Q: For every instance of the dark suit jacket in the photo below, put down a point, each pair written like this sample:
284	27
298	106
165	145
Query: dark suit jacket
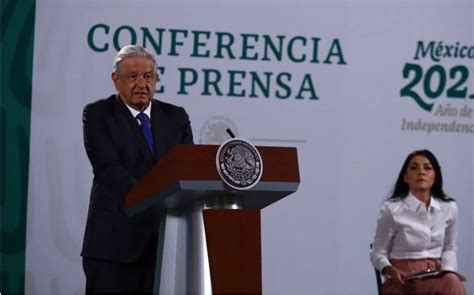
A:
120	157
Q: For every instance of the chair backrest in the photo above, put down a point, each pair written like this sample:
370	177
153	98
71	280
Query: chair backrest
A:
378	276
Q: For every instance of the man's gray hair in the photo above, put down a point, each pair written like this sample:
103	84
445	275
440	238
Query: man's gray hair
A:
131	51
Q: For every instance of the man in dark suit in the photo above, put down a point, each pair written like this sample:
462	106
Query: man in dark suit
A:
124	136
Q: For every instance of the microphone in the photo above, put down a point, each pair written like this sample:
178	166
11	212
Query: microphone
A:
230	133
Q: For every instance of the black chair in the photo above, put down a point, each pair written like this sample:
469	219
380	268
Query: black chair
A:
378	276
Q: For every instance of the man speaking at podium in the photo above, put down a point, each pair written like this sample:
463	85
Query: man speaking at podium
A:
124	136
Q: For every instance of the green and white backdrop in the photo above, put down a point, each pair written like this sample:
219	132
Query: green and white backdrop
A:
354	85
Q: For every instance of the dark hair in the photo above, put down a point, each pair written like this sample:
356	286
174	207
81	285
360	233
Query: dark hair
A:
401	189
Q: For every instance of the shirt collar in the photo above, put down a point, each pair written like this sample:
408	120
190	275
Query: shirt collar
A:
434	203
414	204
135	113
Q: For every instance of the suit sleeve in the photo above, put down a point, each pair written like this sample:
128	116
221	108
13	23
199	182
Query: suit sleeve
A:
104	154
187	137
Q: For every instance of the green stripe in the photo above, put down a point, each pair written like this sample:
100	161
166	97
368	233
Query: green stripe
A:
18	19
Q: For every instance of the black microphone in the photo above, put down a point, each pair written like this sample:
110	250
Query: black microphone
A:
230	133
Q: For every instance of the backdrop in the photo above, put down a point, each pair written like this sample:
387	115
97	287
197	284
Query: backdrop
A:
354	85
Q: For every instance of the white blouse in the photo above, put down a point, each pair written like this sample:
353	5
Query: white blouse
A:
407	229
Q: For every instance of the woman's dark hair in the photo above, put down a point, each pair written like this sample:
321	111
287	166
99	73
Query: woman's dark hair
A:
401	189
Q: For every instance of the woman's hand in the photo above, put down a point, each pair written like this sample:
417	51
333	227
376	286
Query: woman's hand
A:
396	276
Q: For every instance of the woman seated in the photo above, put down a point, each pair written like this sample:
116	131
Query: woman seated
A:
417	232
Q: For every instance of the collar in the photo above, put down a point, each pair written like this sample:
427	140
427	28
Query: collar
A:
134	112
415	205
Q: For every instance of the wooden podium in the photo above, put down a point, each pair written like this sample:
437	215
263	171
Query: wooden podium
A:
222	225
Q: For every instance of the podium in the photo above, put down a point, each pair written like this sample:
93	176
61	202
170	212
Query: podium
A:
221	236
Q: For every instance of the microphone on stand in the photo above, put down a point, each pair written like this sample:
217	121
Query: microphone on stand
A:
230	133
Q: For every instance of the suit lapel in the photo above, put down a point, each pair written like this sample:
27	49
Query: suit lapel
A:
124	113
158	127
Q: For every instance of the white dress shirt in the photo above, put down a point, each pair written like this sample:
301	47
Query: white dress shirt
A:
135	113
407	229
